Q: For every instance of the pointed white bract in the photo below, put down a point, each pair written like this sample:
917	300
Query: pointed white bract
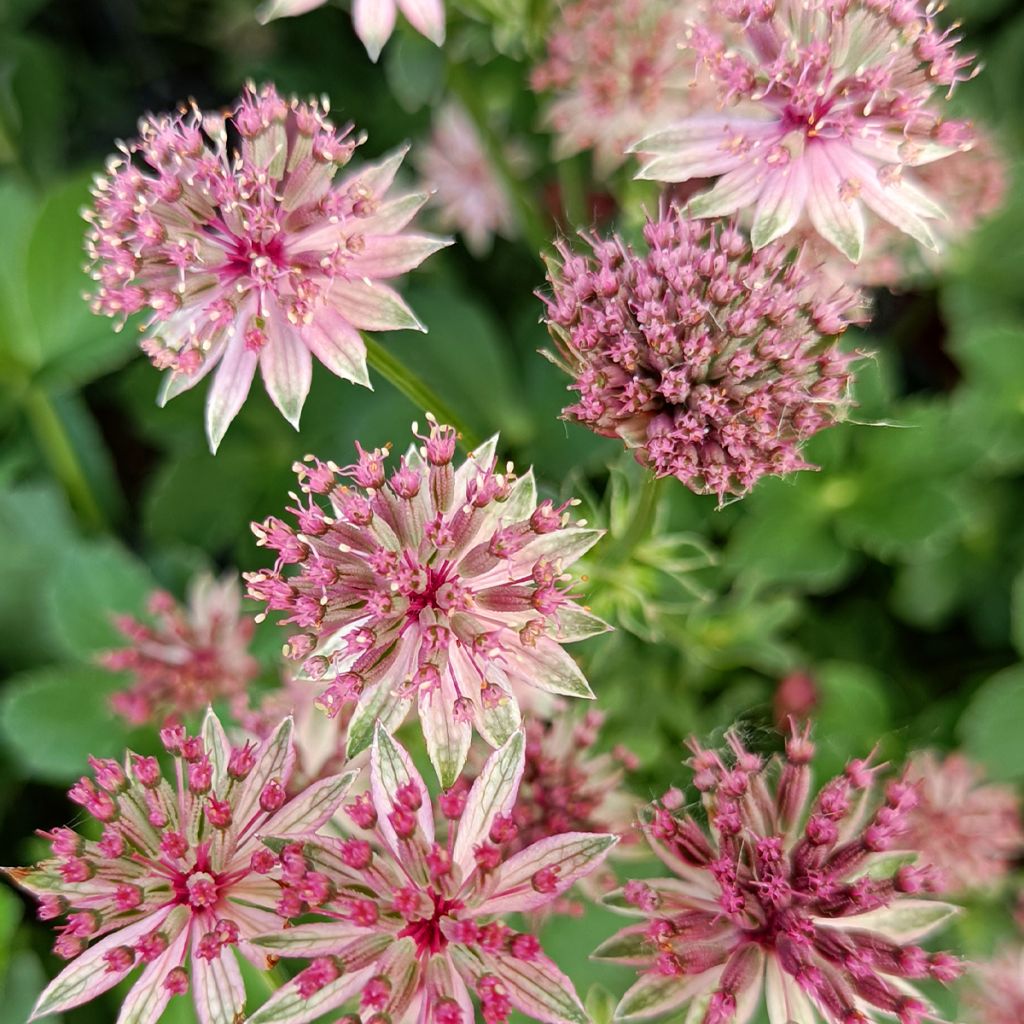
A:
413	910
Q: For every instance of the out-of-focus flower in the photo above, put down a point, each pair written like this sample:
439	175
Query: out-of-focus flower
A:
968	830
178	879
834	98
374	20
616	73
319	741
996	991
814	913
410	922
795	697
468	192
190	656
444	585
231	234
972	185
712	362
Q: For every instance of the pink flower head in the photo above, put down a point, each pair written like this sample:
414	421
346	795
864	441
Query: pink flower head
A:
712	362
410	922
443	585
970	831
179	878
374	20
996	993
614	71
247	253
468	192
190	655
809	906
833	99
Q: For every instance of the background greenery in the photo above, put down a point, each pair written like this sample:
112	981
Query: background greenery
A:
894	577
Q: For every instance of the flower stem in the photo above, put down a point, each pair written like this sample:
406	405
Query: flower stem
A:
416	390
642	522
52	437
535	233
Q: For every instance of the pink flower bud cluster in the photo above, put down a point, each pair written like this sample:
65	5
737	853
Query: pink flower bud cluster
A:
232	237
968	830
178	879
817	900
429	583
190	656
712	362
995	992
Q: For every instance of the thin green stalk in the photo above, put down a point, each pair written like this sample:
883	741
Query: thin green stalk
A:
536	234
416	390
59	452
642	522
572	186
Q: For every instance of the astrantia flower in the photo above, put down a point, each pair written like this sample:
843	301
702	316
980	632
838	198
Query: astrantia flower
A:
615	71
178	880
968	830
468	192
443	585
410	922
374	20
833	99
813	912
712	362
996	992
232	235
190	656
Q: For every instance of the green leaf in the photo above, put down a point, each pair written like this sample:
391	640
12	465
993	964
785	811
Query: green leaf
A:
990	727
52	719
92	584
415	70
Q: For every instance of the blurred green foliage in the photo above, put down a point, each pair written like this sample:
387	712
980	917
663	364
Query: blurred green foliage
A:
894	576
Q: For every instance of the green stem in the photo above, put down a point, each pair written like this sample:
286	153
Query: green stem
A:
536	234
642	521
572	186
416	390
59	452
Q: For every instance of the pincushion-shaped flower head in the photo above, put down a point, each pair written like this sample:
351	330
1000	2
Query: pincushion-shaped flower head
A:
178	880
834	98
443	585
409	922
374	20
233	237
814	913
190	656
969	830
468	192
711	361
614	69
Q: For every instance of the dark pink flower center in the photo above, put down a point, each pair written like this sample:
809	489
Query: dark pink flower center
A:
199	889
427	597
252	257
427	931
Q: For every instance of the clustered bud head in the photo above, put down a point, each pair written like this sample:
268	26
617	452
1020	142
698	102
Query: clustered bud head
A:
712	362
810	905
615	71
830	101
188	657
178	880
967	829
409	921
429	583
231	235
468	193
